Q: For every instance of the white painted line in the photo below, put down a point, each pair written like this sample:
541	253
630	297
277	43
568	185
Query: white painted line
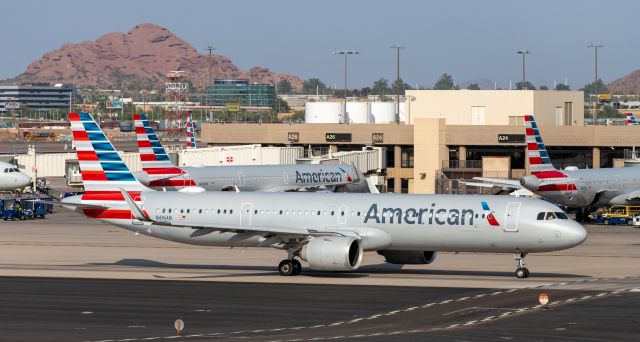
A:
601	294
470	323
496	293
461	299
452	326
318	326
488	318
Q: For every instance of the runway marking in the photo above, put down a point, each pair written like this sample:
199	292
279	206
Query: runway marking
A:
424	306
86	312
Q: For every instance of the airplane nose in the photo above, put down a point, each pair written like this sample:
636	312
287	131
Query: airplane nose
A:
24	180
574	233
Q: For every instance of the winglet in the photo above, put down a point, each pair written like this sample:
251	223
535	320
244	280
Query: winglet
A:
135	210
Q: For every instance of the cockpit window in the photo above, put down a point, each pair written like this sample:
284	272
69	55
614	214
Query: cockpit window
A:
16	170
561	216
550	216
6	170
540	216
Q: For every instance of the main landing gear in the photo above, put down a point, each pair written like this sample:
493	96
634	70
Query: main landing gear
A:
521	271
289	267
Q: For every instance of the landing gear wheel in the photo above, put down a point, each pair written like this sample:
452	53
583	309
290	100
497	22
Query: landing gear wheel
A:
522	272
286	268
297	267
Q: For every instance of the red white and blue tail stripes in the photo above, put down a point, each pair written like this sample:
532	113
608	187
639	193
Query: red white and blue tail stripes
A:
154	158
631	120
539	160
103	171
191	132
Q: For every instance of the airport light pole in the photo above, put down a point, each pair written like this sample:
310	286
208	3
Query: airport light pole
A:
397	47
345	53
595	47
210	48
523	52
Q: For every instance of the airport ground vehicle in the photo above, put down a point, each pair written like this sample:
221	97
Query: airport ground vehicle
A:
617	214
12	209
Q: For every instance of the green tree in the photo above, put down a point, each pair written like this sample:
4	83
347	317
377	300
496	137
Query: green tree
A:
280	106
445	82
562	86
399	85
473	86
544	87
591	88
527	84
609	112
284	87
381	87
313	85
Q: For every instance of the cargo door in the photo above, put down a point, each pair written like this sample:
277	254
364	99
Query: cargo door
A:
511	217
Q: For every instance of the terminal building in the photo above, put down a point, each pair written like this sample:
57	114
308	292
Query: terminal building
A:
223	92
39	97
453	135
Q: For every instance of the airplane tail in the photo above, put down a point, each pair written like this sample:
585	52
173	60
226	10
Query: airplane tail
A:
631	120
104	174
539	160
191	132
154	158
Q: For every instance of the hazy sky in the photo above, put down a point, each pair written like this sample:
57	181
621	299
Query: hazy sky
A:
468	39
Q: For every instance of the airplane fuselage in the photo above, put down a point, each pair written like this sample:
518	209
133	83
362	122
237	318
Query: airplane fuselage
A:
383	221
592	187
261	178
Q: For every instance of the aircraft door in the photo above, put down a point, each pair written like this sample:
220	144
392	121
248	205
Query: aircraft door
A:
511	217
342	214
241	179
285	177
245	214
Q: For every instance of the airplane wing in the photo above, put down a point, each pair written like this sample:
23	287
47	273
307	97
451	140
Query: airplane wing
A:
495	182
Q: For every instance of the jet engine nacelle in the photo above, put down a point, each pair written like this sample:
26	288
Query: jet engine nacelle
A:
409	257
530	182
333	253
193	189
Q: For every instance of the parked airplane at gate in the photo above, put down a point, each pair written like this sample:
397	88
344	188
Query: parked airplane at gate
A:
327	230
582	189
158	172
11	178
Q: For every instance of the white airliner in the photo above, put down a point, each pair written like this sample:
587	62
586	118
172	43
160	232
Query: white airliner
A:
582	190
11	178
329	231
160	173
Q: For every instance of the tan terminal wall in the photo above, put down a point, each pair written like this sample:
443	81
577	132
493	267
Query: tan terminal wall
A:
494	107
430	150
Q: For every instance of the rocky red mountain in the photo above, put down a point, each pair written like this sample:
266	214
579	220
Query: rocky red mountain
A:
628	84
138	58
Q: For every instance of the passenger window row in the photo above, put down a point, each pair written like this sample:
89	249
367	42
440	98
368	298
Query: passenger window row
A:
301	212
552	216
193	211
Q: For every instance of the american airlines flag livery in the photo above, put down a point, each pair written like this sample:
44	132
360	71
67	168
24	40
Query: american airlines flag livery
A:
631	120
160	173
327	230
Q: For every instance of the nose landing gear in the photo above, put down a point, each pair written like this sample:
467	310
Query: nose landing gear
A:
521	271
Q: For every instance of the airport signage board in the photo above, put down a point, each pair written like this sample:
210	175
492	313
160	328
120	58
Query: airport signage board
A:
233	107
338	137
511	138
377	138
293	136
116	104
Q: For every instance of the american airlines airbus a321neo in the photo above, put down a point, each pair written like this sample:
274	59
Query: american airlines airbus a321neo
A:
158	171
329	231
584	190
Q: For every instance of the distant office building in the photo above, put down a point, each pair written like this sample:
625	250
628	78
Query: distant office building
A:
40	97
222	92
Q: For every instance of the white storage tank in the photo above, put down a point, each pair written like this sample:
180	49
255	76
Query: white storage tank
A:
323	112
358	112
383	112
